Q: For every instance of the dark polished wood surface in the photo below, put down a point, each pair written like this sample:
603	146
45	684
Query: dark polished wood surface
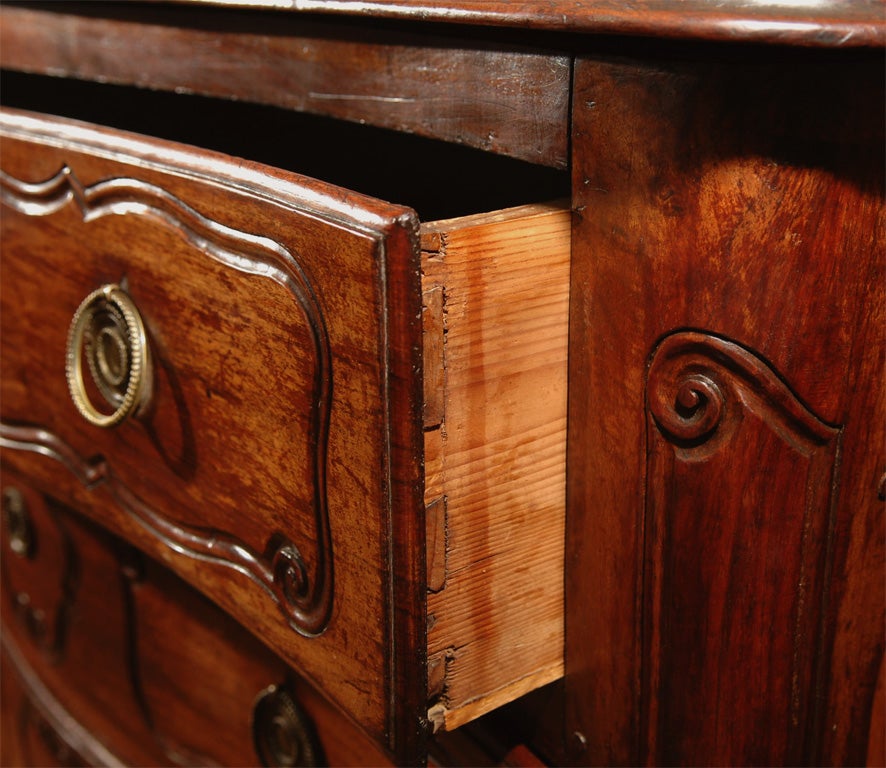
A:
829	24
256	379
506	98
724	569
726	600
136	666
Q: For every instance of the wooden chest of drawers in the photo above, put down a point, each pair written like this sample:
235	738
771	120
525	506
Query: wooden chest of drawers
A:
602	478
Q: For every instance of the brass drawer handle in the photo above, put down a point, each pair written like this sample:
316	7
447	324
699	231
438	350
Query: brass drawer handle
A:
107	331
283	733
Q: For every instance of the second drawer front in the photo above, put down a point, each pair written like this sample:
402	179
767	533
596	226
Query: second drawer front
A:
111	659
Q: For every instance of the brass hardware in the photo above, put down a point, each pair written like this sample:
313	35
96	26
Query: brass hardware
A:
283	734
108	332
18	522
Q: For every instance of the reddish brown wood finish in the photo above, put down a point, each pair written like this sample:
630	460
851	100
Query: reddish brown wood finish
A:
725	542
65	626
812	23
27	737
509	100
725	553
280	399
147	672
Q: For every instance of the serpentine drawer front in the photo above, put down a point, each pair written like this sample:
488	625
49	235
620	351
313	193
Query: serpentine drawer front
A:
94	631
222	364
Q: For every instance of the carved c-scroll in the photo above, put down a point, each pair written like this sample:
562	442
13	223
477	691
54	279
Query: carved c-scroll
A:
740	480
698	384
305	598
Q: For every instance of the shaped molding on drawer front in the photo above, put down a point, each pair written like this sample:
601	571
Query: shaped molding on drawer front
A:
284	428
306	599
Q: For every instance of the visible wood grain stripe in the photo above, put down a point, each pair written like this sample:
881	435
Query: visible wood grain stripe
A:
509	101
499	618
807	22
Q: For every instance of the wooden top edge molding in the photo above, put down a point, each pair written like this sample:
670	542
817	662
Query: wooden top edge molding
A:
351	210
508	100
815	23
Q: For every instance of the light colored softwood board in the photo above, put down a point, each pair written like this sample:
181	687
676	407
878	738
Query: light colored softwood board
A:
432	343
497	624
433	465
435	525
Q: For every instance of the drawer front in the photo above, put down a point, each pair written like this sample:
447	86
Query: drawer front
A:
99	673
275	463
68	635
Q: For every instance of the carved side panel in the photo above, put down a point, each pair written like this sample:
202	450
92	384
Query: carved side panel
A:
304	597
739	499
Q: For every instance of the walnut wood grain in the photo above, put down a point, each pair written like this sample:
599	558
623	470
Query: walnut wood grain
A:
88	671
38	730
712	404
154	672
505	99
307	598
231	341
725	600
807	23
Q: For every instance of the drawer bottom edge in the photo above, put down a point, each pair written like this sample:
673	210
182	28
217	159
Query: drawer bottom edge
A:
444	718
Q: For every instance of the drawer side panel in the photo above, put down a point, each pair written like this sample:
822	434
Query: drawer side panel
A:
496	625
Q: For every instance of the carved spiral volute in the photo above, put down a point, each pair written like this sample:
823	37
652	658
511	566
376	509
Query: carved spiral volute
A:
694	388
290	575
700	387
688	405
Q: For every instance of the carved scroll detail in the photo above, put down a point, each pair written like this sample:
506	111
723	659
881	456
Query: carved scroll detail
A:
305	597
698	384
740	484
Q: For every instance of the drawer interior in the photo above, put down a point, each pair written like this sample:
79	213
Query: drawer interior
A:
494	317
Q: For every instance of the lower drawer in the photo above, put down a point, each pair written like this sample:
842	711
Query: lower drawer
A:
348	429
97	672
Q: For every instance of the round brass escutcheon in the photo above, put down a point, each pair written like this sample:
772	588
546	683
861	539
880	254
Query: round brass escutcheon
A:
283	734
107	333
18	522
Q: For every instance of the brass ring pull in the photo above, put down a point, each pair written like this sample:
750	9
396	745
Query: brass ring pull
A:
108	333
283	734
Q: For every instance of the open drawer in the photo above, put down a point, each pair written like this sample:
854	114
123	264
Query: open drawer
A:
345	427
